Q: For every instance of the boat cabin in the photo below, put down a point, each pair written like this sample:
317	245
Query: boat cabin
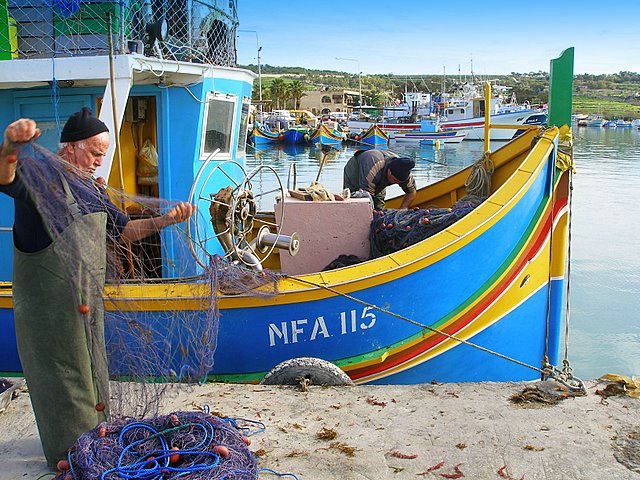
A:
170	94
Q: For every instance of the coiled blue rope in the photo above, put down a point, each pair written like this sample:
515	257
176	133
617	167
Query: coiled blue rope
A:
157	463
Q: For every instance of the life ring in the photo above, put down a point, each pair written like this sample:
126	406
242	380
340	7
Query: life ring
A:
316	370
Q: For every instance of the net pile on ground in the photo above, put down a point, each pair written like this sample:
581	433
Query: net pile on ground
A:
393	230
190	445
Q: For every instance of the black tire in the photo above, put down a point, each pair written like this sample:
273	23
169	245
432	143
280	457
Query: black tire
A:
316	370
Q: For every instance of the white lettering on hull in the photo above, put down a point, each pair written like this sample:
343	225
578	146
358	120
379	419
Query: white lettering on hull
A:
296	331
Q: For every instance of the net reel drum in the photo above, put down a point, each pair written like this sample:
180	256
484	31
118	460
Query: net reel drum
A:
233	215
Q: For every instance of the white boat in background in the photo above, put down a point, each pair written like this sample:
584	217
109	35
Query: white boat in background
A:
475	126
467	113
596	121
620	123
279	120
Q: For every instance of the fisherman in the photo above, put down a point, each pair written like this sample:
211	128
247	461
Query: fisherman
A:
374	170
58	304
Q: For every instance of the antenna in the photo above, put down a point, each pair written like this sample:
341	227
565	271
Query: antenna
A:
444	76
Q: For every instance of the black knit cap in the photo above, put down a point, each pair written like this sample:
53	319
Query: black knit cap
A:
401	167
82	125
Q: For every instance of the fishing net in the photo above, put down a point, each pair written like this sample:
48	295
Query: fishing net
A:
150	351
202	31
192	445
393	230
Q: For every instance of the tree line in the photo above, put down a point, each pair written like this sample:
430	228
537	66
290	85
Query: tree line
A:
283	87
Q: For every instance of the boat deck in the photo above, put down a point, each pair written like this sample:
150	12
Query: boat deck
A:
399	432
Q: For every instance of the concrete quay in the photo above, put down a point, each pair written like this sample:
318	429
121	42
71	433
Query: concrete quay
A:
427	431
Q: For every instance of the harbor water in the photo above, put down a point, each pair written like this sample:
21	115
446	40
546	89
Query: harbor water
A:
604	281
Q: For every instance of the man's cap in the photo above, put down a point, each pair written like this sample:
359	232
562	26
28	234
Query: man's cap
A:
400	167
82	125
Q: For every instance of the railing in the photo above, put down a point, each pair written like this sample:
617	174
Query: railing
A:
196	31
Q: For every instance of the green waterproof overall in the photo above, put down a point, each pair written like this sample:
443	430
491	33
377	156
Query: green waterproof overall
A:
62	351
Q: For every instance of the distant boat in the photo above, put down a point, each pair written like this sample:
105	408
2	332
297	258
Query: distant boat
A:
474	126
596	122
279	120
262	135
297	135
388	127
620	123
326	136
449	136
374	136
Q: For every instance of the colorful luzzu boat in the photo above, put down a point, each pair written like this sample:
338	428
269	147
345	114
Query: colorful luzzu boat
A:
374	136
436	310
324	135
296	135
262	136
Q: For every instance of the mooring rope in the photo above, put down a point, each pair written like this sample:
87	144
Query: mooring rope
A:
416	323
479	181
551	373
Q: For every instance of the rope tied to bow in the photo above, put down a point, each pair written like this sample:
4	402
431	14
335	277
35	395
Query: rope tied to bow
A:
479	181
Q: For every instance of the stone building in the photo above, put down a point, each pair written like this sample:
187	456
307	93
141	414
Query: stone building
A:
322	102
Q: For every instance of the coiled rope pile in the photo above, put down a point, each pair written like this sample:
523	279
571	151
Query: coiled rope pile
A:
393	230
192	445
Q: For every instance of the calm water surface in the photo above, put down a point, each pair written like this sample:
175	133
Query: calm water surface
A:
604	321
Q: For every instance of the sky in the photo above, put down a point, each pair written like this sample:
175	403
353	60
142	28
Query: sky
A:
407	37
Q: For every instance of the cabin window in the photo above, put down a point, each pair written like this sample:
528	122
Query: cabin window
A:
218	127
326	99
244	125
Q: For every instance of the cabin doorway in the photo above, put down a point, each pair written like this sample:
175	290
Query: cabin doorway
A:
137	175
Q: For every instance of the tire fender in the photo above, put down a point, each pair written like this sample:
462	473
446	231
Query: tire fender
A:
316	370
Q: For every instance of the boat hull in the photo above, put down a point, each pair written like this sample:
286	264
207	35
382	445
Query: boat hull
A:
453	136
374	136
326	136
261	136
296	136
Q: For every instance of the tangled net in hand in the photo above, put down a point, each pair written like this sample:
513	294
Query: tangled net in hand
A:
149	352
393	230
190	445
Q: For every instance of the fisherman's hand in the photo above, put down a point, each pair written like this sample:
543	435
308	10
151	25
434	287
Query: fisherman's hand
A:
21	131
179	213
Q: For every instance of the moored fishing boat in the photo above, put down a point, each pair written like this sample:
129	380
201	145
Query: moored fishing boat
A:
595	121
299	134
434	310
417	136
374	136
474	126
261	135
326	136
358	126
